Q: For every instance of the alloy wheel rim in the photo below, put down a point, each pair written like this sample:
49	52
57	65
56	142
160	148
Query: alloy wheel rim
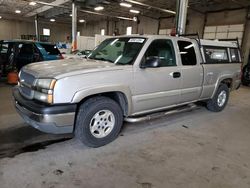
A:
102	123
222	98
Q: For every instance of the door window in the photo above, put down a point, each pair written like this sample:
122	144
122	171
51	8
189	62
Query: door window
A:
187	53
162	49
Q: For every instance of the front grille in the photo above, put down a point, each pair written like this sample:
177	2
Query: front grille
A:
26	82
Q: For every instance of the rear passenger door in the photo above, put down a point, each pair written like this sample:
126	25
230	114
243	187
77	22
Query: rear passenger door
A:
191	71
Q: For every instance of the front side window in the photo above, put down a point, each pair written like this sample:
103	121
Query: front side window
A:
187	53
234	52
216	55
118	50
162	49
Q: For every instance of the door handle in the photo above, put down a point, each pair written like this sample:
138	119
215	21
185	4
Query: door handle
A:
175	74
210	74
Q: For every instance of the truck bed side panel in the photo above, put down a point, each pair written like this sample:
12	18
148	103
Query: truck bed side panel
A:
215	73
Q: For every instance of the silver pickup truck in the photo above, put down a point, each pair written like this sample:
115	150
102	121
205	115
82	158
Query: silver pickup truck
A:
123	78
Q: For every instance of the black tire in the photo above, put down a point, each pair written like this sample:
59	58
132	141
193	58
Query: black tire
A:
244	81
87	112
213	104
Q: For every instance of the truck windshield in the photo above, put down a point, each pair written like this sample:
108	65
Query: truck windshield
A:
118	50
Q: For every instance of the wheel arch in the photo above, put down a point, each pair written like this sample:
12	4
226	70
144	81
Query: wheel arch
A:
121	95
227	80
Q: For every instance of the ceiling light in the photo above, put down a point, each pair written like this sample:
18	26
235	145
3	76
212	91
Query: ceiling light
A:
52	20
126	5
0	17
18	11
135	19
134	11
81	21
98	8
32	3
70	15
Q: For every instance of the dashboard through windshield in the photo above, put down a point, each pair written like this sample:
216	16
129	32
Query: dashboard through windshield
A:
118	50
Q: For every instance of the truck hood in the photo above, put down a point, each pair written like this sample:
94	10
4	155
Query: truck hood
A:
68	67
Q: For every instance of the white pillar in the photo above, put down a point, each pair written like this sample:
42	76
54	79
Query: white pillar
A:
74	26
37	29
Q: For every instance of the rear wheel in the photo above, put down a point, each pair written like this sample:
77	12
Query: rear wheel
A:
99	121
220	99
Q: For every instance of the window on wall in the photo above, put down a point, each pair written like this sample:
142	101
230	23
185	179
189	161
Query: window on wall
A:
165	31
102	31
224	32
129	30
46	32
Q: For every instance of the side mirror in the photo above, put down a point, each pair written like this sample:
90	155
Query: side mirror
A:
151	62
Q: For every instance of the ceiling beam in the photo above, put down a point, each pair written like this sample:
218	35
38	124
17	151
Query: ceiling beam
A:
149	6
53	5
45	7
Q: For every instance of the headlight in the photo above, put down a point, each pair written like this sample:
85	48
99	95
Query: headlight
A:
46	83
47	98
44	90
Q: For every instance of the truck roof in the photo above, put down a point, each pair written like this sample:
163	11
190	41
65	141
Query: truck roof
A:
204	42
25	41
232	44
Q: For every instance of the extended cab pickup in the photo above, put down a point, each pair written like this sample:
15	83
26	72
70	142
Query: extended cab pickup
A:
123	78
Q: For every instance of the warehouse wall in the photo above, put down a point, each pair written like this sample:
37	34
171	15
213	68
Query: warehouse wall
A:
13	29
197	21
226	17
58	32
145	26
233	17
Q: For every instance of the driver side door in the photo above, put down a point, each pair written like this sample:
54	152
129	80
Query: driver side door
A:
157	87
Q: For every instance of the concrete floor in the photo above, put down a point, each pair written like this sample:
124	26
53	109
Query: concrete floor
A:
193	149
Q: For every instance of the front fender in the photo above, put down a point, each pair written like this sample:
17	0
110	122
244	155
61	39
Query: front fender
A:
81	94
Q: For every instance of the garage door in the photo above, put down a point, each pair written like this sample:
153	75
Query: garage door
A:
224	32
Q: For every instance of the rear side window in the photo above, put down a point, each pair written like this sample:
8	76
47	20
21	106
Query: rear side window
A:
51	49
234	52
216	55
187	53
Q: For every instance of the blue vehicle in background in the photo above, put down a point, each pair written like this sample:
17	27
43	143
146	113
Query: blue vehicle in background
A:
15	54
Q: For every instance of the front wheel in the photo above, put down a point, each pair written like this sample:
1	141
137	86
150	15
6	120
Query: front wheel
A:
98	122
220	99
